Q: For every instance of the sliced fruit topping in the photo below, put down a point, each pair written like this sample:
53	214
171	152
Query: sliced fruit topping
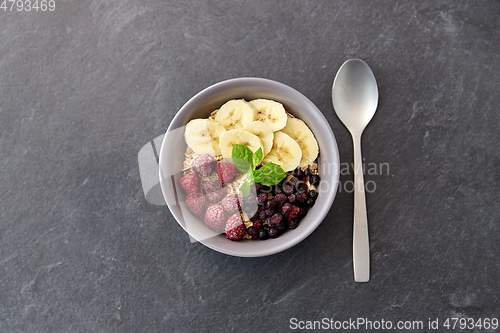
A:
202	136
264	132
236	136
299	131
235	114
286	152
270	112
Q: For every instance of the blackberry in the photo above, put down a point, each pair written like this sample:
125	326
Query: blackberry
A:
274	233
314	180
298	173
313	195
252	231
308	172
263	234
281	199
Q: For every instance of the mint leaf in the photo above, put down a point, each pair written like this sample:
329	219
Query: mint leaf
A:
257	176
242	158
245	188
257	157
272	174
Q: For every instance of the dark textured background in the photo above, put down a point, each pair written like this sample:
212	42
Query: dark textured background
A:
83	88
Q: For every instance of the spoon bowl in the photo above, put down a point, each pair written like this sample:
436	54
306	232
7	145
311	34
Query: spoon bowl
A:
355	94
355	99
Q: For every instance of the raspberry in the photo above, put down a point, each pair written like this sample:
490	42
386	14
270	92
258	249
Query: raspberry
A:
293	213
287	208
215	218
232	203
216	196
235	229
210	185
226	171
196	203
190	182
204	165
257	224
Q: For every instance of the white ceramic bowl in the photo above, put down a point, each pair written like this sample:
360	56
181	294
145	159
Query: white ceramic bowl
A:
200	106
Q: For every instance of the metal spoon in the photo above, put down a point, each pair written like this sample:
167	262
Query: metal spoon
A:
355	98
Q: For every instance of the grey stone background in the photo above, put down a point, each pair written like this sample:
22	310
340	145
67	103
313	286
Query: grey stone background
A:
84	87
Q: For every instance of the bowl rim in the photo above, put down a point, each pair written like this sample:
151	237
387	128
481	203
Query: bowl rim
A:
274	85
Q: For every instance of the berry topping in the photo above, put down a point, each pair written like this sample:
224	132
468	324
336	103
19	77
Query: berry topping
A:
280	199
293	213
196	203
302	187
308	172
227	171
310	202
263	234
232	203
314	180
287	188
298	173
313	195
252	211
204	165
262	198
302	212
301	198
274	232
216	196
190	182
215	218
235	228
286	209
271	203
294	181
214	190
292	224
257	224
291	198
252	231
270	211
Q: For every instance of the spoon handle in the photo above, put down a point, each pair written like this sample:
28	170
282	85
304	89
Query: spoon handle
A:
360	243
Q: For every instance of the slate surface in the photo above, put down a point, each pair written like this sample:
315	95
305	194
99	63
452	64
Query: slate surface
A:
84	87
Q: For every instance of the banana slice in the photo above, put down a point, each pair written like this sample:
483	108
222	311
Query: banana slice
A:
230	138
264	132
202	136
270	112
299	131
286	152
235	114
